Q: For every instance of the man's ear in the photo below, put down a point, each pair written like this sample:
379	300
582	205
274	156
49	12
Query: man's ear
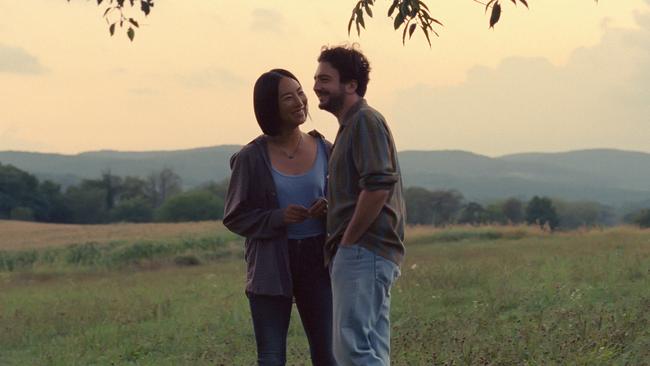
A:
351	87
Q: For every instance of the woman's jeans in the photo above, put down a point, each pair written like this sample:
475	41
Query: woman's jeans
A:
313	294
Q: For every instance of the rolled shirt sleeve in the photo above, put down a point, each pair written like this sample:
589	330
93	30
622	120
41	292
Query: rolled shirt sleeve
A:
373	155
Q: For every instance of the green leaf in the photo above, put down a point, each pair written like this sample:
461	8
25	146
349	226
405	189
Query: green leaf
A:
426	33
392	8
350	23
404	8
360	18
526	2
134	22
496	14
145	7
130	33
368	10
107	11
412	29
399	19
415	9
112	29
99	2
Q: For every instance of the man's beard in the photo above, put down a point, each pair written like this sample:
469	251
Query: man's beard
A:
334	102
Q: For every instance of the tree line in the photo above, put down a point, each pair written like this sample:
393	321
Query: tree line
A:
449	207
159	197
110	198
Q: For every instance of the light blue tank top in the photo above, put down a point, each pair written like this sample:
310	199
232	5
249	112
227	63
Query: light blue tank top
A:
303	190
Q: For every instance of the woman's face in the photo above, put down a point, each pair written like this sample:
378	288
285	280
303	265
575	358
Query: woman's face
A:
292	103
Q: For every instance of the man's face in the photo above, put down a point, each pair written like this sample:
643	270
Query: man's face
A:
328	88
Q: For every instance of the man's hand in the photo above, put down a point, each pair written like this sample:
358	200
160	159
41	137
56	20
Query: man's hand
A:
369	204
318	209
294	214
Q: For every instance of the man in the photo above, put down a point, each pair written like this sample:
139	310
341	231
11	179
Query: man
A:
365	221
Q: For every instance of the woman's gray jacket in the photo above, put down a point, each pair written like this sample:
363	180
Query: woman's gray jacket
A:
252	211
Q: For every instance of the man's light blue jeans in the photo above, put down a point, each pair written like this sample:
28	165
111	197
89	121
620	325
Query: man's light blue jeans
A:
361	283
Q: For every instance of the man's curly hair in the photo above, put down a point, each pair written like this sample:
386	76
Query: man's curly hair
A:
350	63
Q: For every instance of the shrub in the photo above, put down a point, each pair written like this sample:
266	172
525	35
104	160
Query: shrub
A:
137	209
195	205
139	251
540	211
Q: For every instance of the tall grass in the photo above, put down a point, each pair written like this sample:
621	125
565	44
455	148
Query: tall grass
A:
116	255
580	298
430	235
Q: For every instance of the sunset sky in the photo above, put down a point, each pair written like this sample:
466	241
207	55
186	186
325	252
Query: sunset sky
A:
563	75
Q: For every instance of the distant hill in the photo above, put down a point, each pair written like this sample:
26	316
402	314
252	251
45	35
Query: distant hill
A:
608	176
625	169
195	166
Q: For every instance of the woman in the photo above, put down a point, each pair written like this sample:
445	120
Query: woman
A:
275	200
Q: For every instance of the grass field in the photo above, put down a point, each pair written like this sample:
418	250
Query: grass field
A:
467	296
29	235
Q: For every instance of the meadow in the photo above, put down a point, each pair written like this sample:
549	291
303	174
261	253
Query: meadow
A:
172	294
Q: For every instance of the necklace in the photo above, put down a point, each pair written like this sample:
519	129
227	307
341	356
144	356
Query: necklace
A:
295	150
293	154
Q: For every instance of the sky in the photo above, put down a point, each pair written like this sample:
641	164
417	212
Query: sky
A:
562	75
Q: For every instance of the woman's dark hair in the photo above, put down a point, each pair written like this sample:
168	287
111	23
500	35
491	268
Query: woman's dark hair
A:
350	63
265	100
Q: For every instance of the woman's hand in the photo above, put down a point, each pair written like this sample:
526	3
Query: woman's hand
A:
318	209
294	214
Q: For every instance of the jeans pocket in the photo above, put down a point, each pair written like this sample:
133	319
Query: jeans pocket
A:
386	272
348	252
397	273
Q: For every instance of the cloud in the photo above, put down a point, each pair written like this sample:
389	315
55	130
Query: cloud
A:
211	78
600	98
16	60
267	20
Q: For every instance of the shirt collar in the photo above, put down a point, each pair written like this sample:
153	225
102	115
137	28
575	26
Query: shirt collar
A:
352	111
